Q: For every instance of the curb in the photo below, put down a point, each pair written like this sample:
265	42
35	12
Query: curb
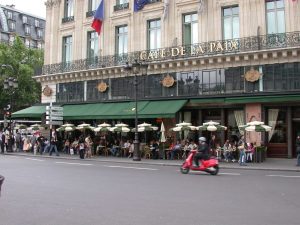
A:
157	163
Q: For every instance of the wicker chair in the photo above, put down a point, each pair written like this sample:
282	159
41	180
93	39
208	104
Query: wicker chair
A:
147	152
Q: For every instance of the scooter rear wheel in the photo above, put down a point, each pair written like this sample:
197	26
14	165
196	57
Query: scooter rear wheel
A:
184	170
215	171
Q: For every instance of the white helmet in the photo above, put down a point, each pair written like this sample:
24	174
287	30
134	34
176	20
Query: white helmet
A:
202	139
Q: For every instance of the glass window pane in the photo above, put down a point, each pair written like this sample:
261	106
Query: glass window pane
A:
227	28
187	18
280	22
271	23
158	39
279	4
270	5
125	44
187	34
227	12
235	10
195	33
152	40
236	28
195	17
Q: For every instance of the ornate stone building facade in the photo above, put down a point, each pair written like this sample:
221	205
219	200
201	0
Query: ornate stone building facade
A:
232	61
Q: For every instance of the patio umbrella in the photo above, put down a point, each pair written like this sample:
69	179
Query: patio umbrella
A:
101	129
20	126
120	129
256	126
145	125
84	126
104	125
212	126
68	125
183	127
35	127
163	137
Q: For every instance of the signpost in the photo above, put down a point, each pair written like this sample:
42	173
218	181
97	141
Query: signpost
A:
54	115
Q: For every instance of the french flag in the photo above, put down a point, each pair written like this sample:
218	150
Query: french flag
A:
98	17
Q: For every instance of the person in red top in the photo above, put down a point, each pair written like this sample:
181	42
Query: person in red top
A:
249	152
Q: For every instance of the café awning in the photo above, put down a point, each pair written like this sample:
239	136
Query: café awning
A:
123	110
30	112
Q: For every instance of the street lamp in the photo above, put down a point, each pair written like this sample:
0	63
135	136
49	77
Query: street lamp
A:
10	85
136	68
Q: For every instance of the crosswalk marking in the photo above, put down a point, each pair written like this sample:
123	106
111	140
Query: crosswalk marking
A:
79	164
40	160
286	176
129	167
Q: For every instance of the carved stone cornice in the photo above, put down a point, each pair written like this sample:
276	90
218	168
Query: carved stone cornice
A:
51	3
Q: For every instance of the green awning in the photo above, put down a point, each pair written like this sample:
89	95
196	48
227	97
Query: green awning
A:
31	112
123	110
263	99
247	99
161	109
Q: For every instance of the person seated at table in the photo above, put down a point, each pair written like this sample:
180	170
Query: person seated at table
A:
154	149
249	152
115	147
66	147
218	151
126	147
175	149
131	150
227	151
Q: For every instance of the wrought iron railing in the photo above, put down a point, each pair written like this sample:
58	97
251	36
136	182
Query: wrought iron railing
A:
90	13
121	7
67	19
223	47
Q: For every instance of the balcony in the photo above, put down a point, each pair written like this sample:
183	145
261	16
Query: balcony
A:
68	19
121	7
201	51
90	13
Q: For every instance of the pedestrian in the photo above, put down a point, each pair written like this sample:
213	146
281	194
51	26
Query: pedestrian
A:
1	182
241	147
53	146
298	149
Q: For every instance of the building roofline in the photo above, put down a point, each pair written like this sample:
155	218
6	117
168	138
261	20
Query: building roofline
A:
22	12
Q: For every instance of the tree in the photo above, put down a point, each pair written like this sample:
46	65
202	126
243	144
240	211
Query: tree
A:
24	62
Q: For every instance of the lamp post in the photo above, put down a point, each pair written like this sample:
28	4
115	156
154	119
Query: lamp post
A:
136	68
10	85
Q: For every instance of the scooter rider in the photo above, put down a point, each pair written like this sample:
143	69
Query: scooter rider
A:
202	151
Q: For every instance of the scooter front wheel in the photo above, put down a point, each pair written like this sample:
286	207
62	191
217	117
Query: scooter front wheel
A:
215	170
184	170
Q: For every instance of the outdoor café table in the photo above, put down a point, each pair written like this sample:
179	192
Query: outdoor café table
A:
100	149
125	151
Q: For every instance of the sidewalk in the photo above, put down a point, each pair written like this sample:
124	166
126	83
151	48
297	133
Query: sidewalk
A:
270	164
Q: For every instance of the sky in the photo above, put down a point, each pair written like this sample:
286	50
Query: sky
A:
34	7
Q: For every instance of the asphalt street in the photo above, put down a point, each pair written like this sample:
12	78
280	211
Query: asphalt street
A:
40	191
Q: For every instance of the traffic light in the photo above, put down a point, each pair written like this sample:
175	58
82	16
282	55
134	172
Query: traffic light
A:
7	111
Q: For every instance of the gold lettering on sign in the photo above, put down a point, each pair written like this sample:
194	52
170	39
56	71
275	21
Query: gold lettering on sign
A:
143	55
163	53
234	44
175	52
212	46
168	81
182	51
219	47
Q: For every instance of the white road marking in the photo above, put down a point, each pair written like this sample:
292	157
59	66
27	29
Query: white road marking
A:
286	176
128	167
232	174
79	164
40	160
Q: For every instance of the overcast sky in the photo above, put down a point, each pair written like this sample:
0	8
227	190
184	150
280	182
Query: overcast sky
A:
34	7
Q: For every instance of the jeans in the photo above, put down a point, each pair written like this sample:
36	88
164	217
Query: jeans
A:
298	159
242	159
53	147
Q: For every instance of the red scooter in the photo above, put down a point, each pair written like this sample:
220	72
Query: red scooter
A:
210	166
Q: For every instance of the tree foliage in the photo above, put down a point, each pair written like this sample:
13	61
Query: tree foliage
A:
24	61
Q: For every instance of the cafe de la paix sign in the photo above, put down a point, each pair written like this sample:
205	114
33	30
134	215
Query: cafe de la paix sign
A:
209	48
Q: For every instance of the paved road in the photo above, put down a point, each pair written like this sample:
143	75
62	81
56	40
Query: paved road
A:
64	192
